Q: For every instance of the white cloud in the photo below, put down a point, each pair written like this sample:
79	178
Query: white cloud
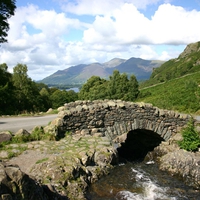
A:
169	25
38	38
42	46
174	25
103	7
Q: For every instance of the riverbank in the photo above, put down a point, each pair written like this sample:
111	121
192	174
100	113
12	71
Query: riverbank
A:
177	162
58	169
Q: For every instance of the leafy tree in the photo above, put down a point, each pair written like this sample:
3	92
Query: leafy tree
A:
46	98
73	96
21	83
133	89
118	87
93	89
42	85
113	86
99	91
26	91
7	8
59	98
6	91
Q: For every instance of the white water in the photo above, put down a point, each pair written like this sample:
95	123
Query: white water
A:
151	191
140	181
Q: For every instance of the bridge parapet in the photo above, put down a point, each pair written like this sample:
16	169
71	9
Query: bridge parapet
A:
115	117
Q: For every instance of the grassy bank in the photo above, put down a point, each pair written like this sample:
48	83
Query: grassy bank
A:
181	94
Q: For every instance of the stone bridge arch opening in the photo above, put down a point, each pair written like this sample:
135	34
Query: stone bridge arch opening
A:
137	144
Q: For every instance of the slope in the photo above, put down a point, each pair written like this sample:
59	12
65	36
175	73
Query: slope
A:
187	62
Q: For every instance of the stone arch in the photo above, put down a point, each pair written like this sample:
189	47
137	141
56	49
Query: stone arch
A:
115	131
117	120
138	143
134	140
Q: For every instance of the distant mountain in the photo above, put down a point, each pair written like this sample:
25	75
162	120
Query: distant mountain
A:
79	74
187	62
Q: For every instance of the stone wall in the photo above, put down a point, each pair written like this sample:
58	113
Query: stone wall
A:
113	118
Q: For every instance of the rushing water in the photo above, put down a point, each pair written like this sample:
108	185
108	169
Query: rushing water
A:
140	181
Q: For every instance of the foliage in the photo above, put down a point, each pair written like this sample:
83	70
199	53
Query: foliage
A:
182	94
117	87
191	138
37	135
7	8
19	94
185	64
59	98
94	88
6	90
27	94
42	160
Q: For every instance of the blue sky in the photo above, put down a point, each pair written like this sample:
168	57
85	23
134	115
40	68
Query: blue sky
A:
52	35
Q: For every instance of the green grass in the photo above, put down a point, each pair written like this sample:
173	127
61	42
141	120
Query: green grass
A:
42	160
180	94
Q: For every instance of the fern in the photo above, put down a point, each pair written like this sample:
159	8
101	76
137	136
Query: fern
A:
191	138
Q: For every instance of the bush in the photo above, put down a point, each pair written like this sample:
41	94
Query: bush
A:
191	138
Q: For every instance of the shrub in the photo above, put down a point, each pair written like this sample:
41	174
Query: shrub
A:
191	138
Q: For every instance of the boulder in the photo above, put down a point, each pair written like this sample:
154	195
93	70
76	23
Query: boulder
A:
177	162
22	132
184	164
50	110
17	185
5	136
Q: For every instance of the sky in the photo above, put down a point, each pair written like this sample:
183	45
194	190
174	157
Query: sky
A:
56	34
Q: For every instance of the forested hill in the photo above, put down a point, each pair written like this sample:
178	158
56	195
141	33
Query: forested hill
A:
188	62
79	74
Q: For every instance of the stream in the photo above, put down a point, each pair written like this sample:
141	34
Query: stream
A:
140	181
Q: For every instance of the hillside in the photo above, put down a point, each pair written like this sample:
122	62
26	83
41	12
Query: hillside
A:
179	94
79	74
187	62
175	85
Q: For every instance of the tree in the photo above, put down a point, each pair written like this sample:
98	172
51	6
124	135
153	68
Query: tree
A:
73	96
45	98
6	91
93	89
59	98
7	8
26	91
120	87
114	85
133	89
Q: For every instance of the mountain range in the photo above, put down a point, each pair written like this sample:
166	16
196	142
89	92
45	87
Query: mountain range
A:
79	74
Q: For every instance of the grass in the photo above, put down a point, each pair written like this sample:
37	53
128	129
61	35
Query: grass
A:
181	94
37	135
42	160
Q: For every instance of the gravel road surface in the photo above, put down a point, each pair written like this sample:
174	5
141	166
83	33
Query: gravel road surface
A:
13	124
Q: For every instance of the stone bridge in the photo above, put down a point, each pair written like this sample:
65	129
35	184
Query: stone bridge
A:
135	128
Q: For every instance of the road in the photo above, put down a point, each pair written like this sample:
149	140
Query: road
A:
13	124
